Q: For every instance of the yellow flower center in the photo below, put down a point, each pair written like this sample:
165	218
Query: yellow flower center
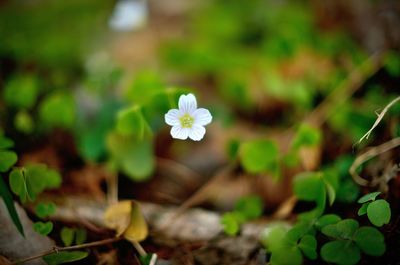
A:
186	121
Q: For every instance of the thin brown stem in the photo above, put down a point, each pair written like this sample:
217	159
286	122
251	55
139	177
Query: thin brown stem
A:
75	247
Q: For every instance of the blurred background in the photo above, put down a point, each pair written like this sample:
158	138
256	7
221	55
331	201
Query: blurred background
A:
291	85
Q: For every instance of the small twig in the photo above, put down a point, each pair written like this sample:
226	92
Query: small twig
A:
112	188
58	249
378	120
374	151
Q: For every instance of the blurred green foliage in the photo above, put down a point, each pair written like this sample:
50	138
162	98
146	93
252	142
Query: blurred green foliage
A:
50	33
246	208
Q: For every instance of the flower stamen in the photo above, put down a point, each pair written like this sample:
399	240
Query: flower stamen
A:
186	121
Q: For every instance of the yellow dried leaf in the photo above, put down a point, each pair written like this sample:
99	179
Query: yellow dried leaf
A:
126	218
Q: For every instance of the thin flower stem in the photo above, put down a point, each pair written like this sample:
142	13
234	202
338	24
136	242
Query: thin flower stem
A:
139	248
58	249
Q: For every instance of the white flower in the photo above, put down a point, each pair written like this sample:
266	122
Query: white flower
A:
188	120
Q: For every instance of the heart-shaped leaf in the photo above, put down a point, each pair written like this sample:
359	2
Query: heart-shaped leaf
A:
43	228
43	210
308	245
379	212
370	240
341	252
67	235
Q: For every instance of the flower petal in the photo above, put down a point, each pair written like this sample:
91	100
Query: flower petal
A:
172	117
202	116
187	103
197	132
178	132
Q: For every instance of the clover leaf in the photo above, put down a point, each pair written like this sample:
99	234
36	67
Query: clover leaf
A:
341	252
378	212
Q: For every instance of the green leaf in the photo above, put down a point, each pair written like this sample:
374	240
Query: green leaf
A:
135	158
347	191
331	180
363	209
67	235
7	160
5	143
308	245
298	231
327	219
18	184
80	236
131	121
8	200
370	240
21	91
43	228
144	86
43	210
258	156
379	212
58	110
369	197
308	186
64	257
347	227
331	230
341	252
273	237
231	223
250	207
287	256
306	136
232	148
52	179
24	122
392	63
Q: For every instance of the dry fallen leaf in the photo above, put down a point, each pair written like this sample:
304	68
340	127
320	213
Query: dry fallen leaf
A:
126	218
